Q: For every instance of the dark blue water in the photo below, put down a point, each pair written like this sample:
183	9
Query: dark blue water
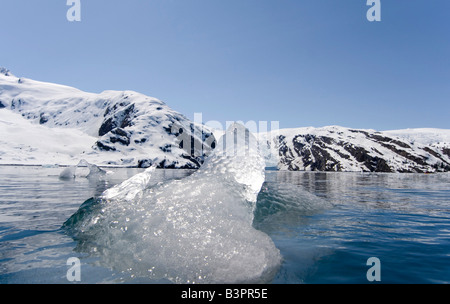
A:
326	225
404	220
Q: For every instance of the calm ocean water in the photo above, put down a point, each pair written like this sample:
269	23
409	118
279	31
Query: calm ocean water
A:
326	225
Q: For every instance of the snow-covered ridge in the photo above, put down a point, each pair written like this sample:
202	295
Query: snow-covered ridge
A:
423	136
122	128
336	148
45	123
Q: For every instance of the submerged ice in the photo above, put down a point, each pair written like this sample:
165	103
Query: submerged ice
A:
194	230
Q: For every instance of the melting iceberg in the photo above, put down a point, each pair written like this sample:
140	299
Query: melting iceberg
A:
68	172
131	189
94	170
194	230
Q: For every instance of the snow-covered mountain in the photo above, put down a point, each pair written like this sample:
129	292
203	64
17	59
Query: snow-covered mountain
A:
45	123
336	148
122	128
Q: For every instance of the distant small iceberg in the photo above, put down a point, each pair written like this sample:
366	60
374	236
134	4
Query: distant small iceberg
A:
95	171
68	173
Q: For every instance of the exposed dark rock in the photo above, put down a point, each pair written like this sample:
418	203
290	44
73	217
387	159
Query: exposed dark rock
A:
140	141
17	104
120	139
145	163
104	147
121	119
385	139
401	144
434	153
166	148
360	131
313	154
446	151
380	165
405	154
373	164
196	161
43	118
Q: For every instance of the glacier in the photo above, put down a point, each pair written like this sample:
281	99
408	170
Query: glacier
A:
194	230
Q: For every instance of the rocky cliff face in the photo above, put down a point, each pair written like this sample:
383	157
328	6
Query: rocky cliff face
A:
343	149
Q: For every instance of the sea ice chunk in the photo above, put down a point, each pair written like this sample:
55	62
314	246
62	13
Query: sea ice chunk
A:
197	229
68	172
131	189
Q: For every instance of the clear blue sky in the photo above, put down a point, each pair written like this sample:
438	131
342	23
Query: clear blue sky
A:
300	62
